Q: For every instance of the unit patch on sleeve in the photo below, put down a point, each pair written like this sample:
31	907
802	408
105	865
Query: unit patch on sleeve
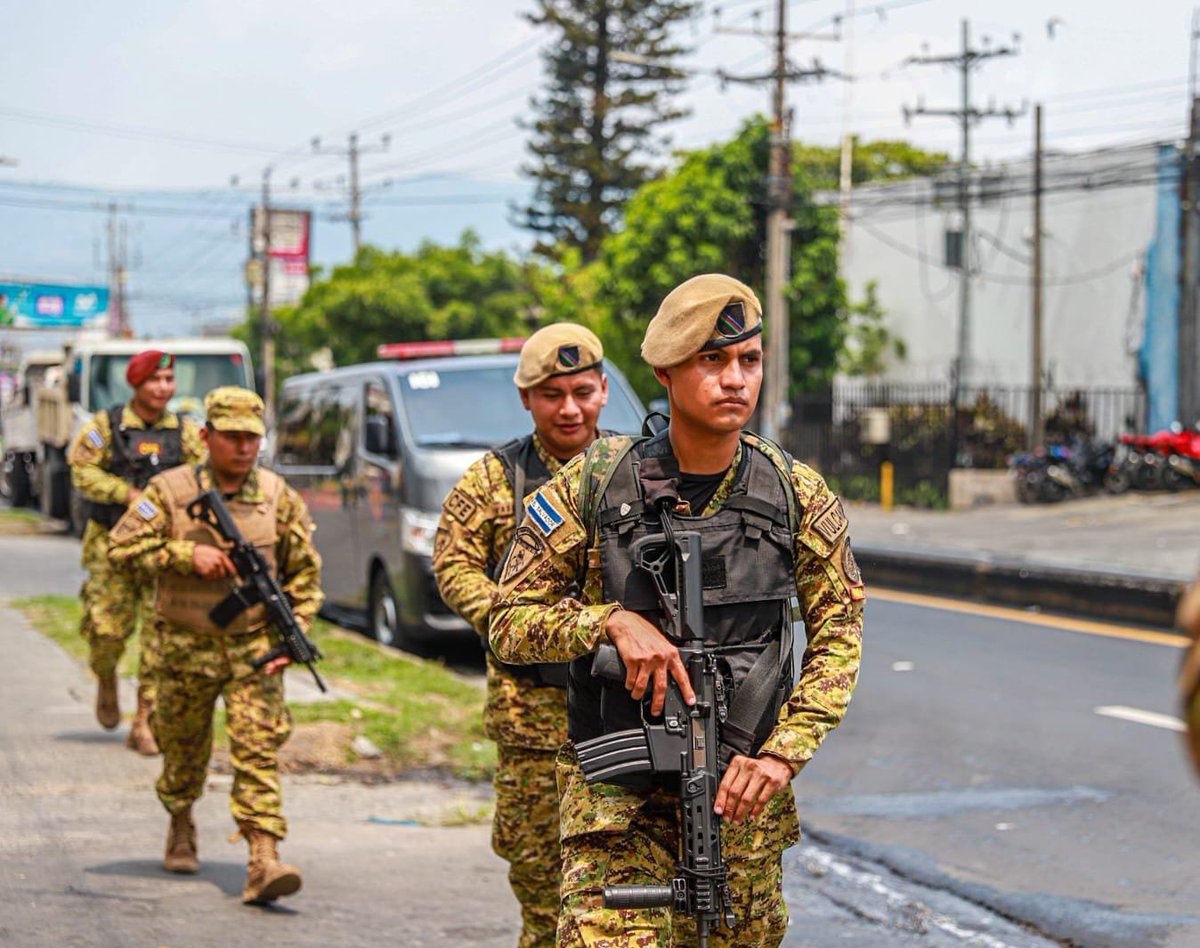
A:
543	514
95	439
146	510
527	547
850	564
832	522
460	506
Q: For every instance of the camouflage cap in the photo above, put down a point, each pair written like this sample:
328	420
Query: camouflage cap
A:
706	312
558	349
231	408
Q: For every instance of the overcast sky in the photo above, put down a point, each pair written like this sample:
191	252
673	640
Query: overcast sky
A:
162	95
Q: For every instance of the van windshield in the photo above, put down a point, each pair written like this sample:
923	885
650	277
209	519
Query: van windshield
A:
478	408
195	377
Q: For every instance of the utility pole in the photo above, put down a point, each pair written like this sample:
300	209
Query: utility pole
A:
846	170
776	407
352	151
966	61
1036	421
266	323
118	234
1188	348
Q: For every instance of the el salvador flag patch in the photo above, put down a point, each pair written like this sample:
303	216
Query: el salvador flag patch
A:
94	437
147	510
543	514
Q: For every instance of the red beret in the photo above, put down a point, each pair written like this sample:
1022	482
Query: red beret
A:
145	364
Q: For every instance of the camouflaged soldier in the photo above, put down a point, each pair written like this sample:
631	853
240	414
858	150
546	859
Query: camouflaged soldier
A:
201	662
561	382
771	530
112	459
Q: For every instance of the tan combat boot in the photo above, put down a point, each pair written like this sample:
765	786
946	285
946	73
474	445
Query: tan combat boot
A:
268	878
141	738
181	844
107	711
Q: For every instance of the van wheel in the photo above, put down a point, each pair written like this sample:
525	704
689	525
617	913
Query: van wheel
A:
20	489
384	611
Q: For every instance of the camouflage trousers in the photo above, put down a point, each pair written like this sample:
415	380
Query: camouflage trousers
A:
257	723
612	836
525	834
113	602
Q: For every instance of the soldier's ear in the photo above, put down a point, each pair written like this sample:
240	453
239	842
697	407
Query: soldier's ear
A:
664	377
524	397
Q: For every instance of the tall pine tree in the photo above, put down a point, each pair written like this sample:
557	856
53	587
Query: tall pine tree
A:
612	80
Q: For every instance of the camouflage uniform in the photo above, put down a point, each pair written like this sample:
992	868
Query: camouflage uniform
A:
198	666
612	835
112	599
528	723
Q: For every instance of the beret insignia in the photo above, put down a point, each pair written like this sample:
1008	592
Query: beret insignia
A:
732	320
568	357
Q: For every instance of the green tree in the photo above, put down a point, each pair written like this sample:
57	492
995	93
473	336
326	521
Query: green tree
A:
884	160
708	215
438	292
611	81
870	346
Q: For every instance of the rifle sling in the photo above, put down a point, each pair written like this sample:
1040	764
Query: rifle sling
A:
755	699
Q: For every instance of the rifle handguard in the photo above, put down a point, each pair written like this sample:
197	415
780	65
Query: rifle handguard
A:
638	896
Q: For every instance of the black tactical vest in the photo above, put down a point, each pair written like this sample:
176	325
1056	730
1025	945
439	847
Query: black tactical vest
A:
749	582
525	472
137	455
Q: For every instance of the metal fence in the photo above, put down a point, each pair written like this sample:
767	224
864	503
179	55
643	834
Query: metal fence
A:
848	430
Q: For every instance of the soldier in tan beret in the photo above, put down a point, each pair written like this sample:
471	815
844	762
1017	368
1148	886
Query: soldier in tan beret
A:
201	661
560	380
771	530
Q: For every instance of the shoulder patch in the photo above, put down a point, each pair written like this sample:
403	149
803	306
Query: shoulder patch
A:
146	510
95	439
459	505
543	514
831	522
850	564
527	547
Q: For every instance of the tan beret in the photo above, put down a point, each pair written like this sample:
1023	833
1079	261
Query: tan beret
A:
558	349
231	408
705	312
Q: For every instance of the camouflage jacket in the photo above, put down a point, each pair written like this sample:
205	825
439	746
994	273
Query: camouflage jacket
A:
532	621
141	540
477	524
90	454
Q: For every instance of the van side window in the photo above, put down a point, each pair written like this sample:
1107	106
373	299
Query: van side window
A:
296	428
379	431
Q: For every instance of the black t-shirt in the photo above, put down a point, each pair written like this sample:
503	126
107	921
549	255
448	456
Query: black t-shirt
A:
698	489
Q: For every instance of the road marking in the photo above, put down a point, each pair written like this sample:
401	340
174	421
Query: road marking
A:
1138	716
1063	623
903	666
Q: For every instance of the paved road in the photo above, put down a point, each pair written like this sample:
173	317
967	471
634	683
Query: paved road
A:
972	797
973	759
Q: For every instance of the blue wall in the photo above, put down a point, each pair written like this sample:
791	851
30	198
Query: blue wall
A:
1158	362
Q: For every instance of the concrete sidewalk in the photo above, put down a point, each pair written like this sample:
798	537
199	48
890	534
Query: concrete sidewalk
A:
1143	535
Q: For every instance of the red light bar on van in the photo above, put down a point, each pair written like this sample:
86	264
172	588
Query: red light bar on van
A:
449	347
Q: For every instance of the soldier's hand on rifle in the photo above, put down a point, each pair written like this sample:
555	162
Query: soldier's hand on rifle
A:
648	657
211	563
748	784
134	494
276	665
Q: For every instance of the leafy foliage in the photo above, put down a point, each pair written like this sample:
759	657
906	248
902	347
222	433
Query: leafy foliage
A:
884	160
611	80
869	344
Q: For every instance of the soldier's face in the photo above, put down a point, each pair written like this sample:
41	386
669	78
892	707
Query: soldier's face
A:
232	453
566	409
718	389
154	393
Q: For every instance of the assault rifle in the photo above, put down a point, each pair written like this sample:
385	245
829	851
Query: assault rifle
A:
260	586
682	742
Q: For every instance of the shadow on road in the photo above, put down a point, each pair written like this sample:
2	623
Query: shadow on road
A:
229	877
92	737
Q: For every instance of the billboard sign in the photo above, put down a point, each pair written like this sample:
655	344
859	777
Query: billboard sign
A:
289	254
52	306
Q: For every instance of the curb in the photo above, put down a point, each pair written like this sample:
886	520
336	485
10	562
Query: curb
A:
1142	599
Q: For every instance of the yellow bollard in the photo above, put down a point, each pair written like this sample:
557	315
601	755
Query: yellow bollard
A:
887	485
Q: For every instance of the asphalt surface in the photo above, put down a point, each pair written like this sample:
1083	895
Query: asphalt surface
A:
973	796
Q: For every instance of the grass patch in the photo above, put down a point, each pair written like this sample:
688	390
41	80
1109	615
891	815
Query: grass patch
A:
58	618
19	521
421	715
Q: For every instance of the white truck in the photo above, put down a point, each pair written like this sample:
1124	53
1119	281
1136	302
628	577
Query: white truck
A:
89	376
